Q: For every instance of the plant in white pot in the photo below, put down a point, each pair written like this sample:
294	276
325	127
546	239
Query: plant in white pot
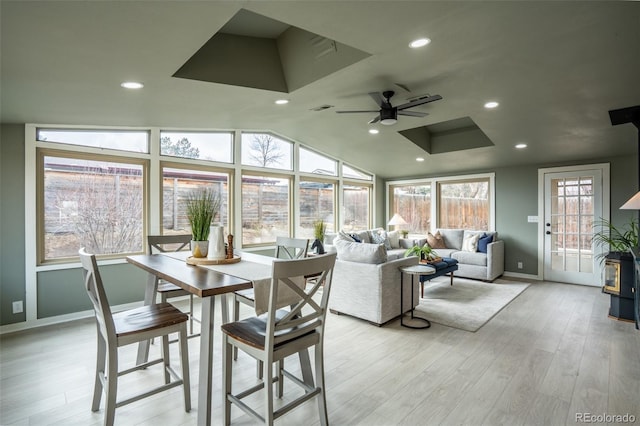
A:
202	207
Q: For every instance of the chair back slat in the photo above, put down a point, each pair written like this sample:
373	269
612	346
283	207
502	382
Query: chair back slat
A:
291	248
95	290
306	315
168	243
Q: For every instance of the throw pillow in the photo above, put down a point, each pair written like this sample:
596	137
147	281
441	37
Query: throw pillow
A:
470	243
355	238
344	237
361	252
394	239
435	241
483	242
381	238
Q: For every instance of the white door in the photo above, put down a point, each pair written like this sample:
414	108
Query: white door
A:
573	202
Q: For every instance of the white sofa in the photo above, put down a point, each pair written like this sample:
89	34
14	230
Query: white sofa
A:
366	284
471	264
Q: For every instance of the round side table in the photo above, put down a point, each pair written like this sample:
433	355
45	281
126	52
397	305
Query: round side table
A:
413	270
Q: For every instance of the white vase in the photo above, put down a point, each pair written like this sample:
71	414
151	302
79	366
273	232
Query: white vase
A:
216	243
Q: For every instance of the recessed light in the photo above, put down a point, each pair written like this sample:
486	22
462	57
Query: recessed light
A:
132	85
374	131
491	105
282	101
419	43
419	159
521	145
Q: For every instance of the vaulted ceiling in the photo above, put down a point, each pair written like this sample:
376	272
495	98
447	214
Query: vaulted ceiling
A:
556	69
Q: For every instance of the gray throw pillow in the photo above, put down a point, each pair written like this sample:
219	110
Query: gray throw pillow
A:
361	252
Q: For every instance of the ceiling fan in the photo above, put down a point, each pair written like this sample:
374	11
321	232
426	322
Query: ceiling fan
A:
388	114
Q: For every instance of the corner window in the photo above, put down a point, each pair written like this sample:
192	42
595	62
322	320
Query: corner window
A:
357	207
317	202
96	203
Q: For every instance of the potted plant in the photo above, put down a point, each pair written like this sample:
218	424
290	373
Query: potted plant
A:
618	240
426	253
319	228
404	233
202	207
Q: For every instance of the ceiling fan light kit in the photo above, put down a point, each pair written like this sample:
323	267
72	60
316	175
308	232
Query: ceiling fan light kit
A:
388	114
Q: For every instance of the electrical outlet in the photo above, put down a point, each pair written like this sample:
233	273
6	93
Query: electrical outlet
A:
17	307
520	266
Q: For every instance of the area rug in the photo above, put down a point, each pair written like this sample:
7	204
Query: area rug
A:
468	304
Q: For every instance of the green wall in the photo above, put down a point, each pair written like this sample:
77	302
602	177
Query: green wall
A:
12	245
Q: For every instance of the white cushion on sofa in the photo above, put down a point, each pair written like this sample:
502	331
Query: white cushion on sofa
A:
361	252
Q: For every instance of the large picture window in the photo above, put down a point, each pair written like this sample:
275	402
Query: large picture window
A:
413	203
177	184
464	204
265	208
97	203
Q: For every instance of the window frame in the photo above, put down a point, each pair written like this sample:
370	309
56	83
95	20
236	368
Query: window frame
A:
41	153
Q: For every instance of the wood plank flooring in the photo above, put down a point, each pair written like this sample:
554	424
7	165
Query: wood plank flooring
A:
550	354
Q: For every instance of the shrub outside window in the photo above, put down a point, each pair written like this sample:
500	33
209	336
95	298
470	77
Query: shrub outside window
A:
265	208
95	203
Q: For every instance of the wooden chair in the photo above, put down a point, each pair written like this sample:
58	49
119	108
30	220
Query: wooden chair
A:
279	333
286	248
128	327
166	244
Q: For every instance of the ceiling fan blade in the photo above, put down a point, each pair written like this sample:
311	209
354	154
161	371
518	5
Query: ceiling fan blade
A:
378	99
413	113
419	101
375	120
349	112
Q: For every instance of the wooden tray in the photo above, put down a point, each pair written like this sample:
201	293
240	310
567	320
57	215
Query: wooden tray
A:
429	262
204	261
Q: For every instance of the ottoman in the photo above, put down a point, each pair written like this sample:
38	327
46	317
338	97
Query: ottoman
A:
446	266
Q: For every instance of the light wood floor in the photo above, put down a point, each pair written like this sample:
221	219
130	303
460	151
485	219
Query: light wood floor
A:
548	355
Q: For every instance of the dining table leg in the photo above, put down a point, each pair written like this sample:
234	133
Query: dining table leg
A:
205	383
149	298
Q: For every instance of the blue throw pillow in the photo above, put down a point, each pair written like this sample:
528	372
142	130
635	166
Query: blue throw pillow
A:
355	238
483	242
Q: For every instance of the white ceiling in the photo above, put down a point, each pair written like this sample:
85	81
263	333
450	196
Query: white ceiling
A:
556	68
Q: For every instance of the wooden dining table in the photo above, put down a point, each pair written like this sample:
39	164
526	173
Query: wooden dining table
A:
203	282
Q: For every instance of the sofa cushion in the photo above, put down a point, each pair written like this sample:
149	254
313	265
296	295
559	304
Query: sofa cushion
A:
468	258
364	236
483	242
361	252
452	238
470	242
435	241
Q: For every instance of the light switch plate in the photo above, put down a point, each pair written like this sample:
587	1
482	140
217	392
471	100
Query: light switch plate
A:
532	219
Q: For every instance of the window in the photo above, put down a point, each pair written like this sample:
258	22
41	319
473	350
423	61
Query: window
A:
312	162
413	203
177	184
356	207
96	203
209	146
265	150
350	172
122	140
464	204
317	202
265	208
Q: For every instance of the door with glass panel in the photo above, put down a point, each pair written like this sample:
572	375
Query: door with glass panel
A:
573	203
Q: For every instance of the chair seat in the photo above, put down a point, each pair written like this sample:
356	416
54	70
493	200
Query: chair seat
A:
252	331
146	318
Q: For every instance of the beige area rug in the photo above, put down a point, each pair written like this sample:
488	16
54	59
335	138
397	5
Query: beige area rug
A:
468	304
